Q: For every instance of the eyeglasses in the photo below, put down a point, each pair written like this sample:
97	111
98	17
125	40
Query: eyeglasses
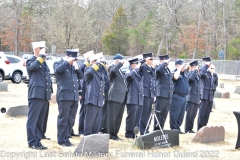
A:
212	68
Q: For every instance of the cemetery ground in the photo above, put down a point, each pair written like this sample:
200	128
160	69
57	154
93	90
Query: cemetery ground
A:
13	139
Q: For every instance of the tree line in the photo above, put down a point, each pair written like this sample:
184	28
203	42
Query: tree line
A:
181	28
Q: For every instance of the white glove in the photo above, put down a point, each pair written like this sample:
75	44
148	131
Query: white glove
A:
75	65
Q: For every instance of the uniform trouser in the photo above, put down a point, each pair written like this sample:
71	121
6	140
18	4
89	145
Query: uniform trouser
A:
114	118
130	120
36	113
45	120
192	109
146	111
138	115
66	117
104	126
204	112
177	110
81	118
162	105
93	119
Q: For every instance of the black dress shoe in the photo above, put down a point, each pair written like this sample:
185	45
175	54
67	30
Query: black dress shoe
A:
35	147
113	137
180	132
118	137
65	145
75	135
44	137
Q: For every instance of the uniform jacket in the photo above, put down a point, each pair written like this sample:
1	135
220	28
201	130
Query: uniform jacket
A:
106	81
82	82
148	74
135	87
67	81
118	89
180	86
40	83
194	87
206	84
94	83
164	84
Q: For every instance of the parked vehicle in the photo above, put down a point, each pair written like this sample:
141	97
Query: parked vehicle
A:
17	68
4	67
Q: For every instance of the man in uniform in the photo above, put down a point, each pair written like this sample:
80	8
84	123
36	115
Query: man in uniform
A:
134	96
39	93
148	74
94	98
163	91
206	87
180	91
67	76
193	98
116	96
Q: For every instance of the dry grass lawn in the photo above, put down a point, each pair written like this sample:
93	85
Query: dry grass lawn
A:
13	139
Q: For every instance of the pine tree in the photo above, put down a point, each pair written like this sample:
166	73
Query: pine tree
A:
115	39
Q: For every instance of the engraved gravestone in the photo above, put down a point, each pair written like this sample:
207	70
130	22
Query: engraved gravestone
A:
156	139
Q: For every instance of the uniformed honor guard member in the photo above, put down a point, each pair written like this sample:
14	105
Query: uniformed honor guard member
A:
148	74
83	88
94	98
116	96
180	91
39	93
206	87
164	86
193	98
103	70
134	96
67	76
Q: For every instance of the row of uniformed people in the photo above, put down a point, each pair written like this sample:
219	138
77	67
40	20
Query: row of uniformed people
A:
102	94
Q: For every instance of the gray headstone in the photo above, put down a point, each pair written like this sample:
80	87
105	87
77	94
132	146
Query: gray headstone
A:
237	90
3	86
93	145
156	139
217	94
221	85
18	111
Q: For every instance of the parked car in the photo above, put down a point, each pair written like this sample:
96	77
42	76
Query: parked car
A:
4	67
17	68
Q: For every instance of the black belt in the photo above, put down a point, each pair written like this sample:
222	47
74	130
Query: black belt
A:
182	95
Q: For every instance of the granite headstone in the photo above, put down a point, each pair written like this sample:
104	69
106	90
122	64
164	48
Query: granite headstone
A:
156	139
17	111
93	145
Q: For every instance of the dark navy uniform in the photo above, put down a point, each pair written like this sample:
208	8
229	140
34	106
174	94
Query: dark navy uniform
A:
67	97
103	128
148	74
94	99
134	99
164	87
206	87
179	101
39	92
116	98
193	98
82	111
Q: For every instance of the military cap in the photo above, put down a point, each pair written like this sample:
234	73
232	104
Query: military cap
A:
117	56
39	44
179	61
207	59
133	61
164	57
194	63
146	55
72	53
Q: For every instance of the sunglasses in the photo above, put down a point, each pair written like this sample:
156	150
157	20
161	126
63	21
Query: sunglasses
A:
151	59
